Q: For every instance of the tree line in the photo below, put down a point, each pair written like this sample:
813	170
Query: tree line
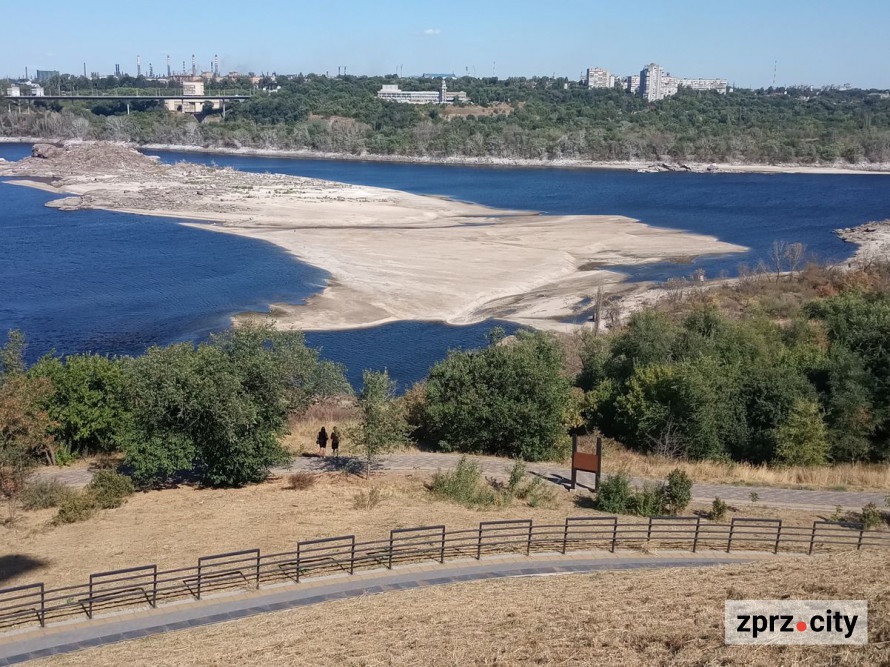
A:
539	118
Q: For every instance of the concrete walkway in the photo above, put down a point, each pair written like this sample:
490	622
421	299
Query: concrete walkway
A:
122	626
497	467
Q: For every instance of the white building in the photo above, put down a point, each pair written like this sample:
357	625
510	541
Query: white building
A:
656	85
192	88
392	93
599	78
13	91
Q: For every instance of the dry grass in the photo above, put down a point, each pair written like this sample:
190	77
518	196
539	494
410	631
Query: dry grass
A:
654	617
300	481
843	476
173	527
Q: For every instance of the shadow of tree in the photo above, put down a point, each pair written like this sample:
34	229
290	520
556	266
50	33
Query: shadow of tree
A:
15	565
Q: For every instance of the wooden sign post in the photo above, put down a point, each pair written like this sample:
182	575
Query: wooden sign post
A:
587	462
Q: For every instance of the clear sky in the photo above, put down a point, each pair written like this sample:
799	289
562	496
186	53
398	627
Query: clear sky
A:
814	41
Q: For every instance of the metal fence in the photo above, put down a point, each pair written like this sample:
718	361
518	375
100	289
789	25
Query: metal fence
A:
148	587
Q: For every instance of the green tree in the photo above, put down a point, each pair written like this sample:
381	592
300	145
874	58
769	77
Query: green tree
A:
802	440
381	423
510	399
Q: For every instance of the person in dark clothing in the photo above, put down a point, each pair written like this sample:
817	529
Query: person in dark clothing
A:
322	441
335	442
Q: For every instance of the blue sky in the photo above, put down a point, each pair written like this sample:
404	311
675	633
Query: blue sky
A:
815	41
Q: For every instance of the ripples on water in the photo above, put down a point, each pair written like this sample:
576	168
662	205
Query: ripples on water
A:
115	283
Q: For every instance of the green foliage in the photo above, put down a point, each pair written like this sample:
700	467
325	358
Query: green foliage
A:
12	355
648	500
464	485
615	494
677	492
110	488
381	422
872	517
509	399
89	404
537	493
517	474
218	409
79	506
44	493
754	496
802	440
719	510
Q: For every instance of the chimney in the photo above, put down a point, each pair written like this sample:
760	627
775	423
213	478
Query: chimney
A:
138	66
194	65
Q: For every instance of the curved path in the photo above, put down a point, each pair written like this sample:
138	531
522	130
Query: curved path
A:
65	638
559	474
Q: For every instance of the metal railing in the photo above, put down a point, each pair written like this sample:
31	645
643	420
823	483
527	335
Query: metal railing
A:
148	587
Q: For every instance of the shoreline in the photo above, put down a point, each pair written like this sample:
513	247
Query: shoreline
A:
390	255
495	162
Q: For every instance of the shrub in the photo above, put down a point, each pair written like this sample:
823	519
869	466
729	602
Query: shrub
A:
648	501
677	492
538	493
614	494
79	506
517	474
718	510
110	488
367	500
871	517
44	493
300	481
463	485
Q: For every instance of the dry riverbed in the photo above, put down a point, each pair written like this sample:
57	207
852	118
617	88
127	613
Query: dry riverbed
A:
391	255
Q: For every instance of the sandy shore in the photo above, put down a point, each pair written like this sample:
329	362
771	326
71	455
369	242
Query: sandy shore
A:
628	165
391	255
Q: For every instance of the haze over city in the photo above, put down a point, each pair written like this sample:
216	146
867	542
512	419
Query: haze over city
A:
806	42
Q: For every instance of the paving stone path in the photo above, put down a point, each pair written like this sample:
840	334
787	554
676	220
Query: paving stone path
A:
491	466
54	640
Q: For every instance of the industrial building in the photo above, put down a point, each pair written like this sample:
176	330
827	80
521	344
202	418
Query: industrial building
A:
186	105
392	93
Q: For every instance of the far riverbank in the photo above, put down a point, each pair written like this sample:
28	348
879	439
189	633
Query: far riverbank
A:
630	165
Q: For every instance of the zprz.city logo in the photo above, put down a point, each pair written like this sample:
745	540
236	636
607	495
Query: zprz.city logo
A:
791	622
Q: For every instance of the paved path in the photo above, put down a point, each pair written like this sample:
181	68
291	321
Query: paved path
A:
428	461
65	638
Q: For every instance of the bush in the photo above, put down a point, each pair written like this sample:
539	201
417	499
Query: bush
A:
463	485
79	506
538	493
648	501
45	493
872	517
718	510
110	488
615	494
300	481
367	500
508	400
517	474
677	493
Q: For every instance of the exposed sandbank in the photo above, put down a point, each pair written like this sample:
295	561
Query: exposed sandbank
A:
391	255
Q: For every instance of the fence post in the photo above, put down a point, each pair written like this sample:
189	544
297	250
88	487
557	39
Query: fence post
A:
90	603
528	545
442	550
565	537
154	589
729	541
649	530
479	543
352	557
599	462
812	539
389	562
199	578
257	569
297	566
42	618
614	533
861	534
695	539
778	537
574	451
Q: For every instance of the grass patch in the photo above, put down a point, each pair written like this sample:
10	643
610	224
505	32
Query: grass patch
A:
45	493
300	481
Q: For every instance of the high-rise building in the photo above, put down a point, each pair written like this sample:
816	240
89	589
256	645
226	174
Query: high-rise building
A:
656	85
651	85
599	78
44	75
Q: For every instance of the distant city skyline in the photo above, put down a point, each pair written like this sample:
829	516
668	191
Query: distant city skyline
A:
815	42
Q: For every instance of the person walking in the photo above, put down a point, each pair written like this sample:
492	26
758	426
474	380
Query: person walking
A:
335	442
322	441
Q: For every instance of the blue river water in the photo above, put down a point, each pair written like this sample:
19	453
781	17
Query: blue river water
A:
115	283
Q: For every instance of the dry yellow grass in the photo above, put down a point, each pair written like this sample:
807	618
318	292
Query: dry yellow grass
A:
173	527
643	617
843	476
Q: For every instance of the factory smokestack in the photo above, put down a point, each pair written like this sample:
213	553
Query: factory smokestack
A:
215	65
169	71
138	66
194	65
